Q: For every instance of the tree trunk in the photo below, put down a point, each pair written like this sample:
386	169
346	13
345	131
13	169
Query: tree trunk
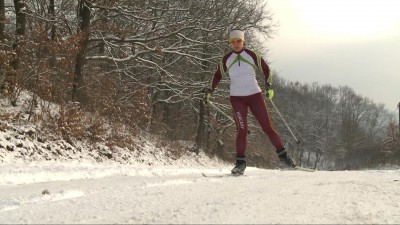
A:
52	60
84	17
153	109
308	158
318	158
53	18
208	134
20	22
2	19
200	126
20	17
300	158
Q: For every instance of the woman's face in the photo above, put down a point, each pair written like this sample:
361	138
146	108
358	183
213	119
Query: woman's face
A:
236	44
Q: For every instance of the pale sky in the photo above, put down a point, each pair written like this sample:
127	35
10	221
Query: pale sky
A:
339	42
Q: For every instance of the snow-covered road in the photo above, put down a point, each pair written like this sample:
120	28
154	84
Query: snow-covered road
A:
167	194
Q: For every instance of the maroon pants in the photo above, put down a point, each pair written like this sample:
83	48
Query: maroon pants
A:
257	106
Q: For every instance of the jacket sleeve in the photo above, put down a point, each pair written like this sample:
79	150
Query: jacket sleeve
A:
265	70
217	78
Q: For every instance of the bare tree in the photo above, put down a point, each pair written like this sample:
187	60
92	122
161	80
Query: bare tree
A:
2	18
52	14
84	16
20	8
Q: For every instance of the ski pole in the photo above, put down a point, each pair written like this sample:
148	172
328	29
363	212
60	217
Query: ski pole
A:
284	121
224	114
220	111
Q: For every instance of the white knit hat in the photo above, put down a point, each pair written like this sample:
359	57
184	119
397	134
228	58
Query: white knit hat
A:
236	34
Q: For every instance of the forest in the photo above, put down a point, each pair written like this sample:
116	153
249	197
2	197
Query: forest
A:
142	66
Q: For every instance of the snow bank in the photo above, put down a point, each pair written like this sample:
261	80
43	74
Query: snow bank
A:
36	172
22	141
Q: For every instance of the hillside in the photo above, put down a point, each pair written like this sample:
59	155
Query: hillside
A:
24	141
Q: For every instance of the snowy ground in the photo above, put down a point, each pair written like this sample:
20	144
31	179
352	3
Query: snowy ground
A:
85	183
116	193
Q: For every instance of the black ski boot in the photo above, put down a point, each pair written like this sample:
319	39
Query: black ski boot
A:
285	158
240	167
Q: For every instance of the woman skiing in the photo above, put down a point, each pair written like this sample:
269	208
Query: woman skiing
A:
242	65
